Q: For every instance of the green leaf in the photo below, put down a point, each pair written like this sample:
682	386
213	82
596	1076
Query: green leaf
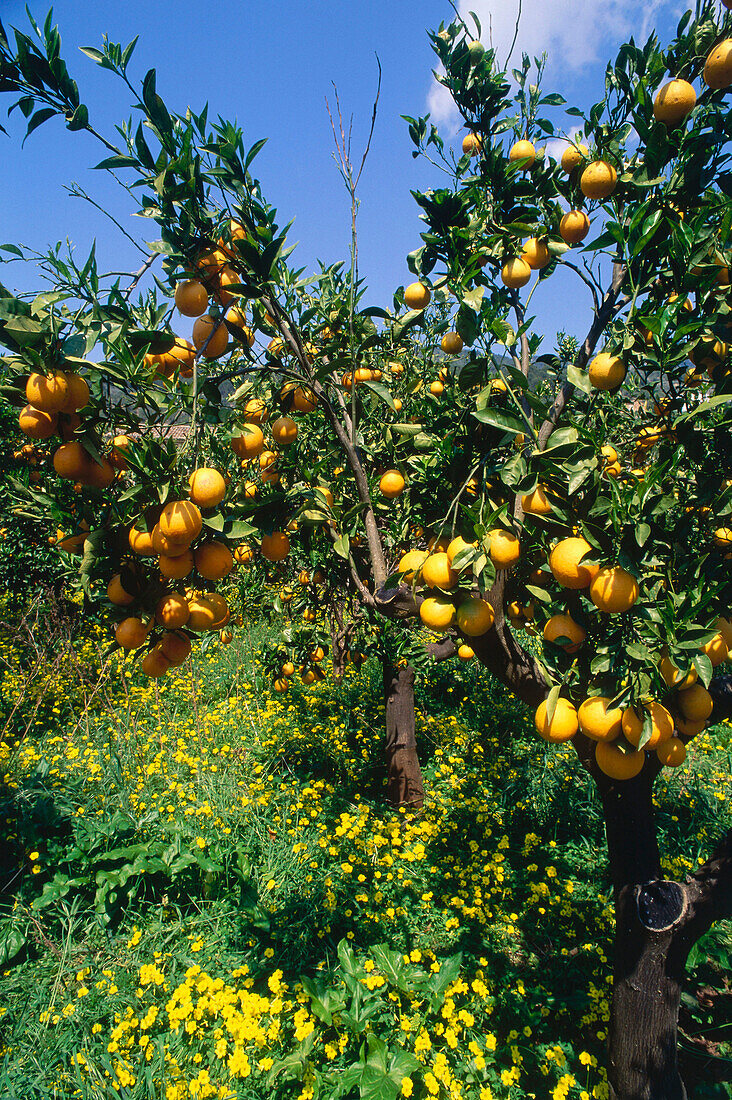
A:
579	378
551	702
497	418
381	391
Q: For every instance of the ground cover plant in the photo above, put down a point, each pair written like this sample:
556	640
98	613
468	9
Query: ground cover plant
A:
559	516
213	896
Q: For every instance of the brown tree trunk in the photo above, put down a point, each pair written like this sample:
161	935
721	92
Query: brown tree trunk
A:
405	785
657	922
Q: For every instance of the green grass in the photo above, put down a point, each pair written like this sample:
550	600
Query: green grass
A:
206	893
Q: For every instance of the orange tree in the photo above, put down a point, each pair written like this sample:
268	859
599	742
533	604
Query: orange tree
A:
582	495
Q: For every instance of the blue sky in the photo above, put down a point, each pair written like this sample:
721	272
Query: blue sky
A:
270	65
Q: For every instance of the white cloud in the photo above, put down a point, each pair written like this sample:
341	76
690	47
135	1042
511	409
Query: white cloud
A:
573	33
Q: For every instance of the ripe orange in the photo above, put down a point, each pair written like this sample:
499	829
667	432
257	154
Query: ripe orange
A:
176	566
607	371
716	649
618	764
523	151
180	521
613	590
672	676
598	720
536	254
599	180
48	393
140	542
284	431
474	616
472	145
116	593
505	549
465	652
304	400
73	462
410	564
437	571
564	723
674	102
191	298
718	65
437	613
36	423
181	357
175	648
250	443
222	612
77	395
456	546
214	560
255	411
275	547
117	456
563	631
723	538
536	502
131	633
154	663
515	273
244	555
672	753
210	336
452	343
437	387
207	487
202	614
417	296
565	562
172	611
572	156
695	703
574	226
662	724
689	729
391	484
236	316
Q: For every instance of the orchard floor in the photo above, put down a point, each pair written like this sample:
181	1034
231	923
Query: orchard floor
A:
204	893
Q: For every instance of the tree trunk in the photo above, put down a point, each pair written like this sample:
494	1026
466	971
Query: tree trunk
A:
405	784
657	922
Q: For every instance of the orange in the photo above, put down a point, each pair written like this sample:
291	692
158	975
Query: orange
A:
324	492
695	703
140	542
598	720
565	562
281	685
523	151
474	616
207	487
276	347
48	393
437	572
154	663
236	316
210	336
180	521
244	555
77	395
689	729
267	459
176	566
214	560
202	614
288	669
255	411
172	611
250	443
536	502
175	648
598	180
672	753
614	590
437	388
563	631
417	296
36	423
409	564
572	156
456	547
723	538
465	652
607	371
73	462
391	484
574	226
716	649
672	676
515	273
452	343
304	400
284	431
116	593
472	145
163	545
275	547
724	626
131	633
673	102
191	298
505	549
182	357
221	610
662	724
120	445
437	613
226	637
564	723
718	65
536	254
618	764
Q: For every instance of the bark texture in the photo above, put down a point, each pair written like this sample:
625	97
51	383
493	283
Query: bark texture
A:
405	784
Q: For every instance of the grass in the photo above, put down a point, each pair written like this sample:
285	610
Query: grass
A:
206	894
